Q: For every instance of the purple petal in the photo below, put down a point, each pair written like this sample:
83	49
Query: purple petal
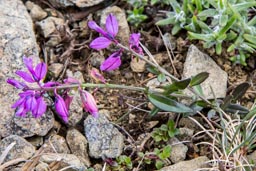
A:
89	103
40	71
71	80
21	112
30	103
134	39
27	93
112	25
67	99
51	84
61	107
19	102
111	63
16	84
27	77
29	64
40	108
96	27
100	43
97	76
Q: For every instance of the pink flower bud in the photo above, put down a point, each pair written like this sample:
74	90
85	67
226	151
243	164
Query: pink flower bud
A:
89	103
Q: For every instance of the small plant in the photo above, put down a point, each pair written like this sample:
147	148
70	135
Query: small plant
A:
136	16
216	22
123	163
165	132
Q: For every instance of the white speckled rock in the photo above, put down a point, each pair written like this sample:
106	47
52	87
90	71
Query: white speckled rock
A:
103	138
78	3
16	39
197	62
21	149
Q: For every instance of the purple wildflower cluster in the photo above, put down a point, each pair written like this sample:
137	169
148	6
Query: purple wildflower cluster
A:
107	37
32	98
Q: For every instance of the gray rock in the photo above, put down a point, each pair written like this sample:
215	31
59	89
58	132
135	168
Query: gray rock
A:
49	25
179	150
56	144
33	126
197	62
96	59
138	65
65	160
36	12
21	149
76	108
124	31
16	39
56	69
78	145
103	138
78	3
190	165
188	123
36	141
170	41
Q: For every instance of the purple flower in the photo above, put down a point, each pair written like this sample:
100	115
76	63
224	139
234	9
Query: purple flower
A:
35	74
61	107
112	62
134	43
97	76
108	36
16	84
89	103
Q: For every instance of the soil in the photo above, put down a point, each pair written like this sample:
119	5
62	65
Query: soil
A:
130	110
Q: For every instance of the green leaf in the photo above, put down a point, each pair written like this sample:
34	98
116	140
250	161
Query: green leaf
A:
199	78
153	70
230	22
166	152
154	111
176	29
161	78
170	20
240	90
236	108
231	35
157	138
244	5
207	13
178	85
218	48
159	164
223	20
250	38
204	37
168	104
199	5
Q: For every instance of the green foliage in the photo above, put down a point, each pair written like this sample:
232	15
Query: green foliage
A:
123	163
136	16
165	132
215	22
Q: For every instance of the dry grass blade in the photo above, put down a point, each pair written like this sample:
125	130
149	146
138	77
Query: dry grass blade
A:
5	152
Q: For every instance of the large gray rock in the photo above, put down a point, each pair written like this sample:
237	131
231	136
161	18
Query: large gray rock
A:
190	165
21	149
16	39
78	145
197	62
56	144
105	141
78	3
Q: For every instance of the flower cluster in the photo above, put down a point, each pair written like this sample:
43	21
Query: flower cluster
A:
108	37
32	98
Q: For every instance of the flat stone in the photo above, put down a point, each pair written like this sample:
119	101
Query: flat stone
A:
190	165
78	3
56	144
65	160
197	62
124	31
33	126
56	69
17	38
21	149
105	141
179	150
49	25
78	145
36	12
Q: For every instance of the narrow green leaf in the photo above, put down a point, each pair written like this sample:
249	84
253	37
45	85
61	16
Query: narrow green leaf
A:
159	164
204	37
218	48
199	5
250	38
199	78
244	5
230	22
178	85
161	78
240	90
207	13
236	108
154	111
170	20
168	104
176	29
223	20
